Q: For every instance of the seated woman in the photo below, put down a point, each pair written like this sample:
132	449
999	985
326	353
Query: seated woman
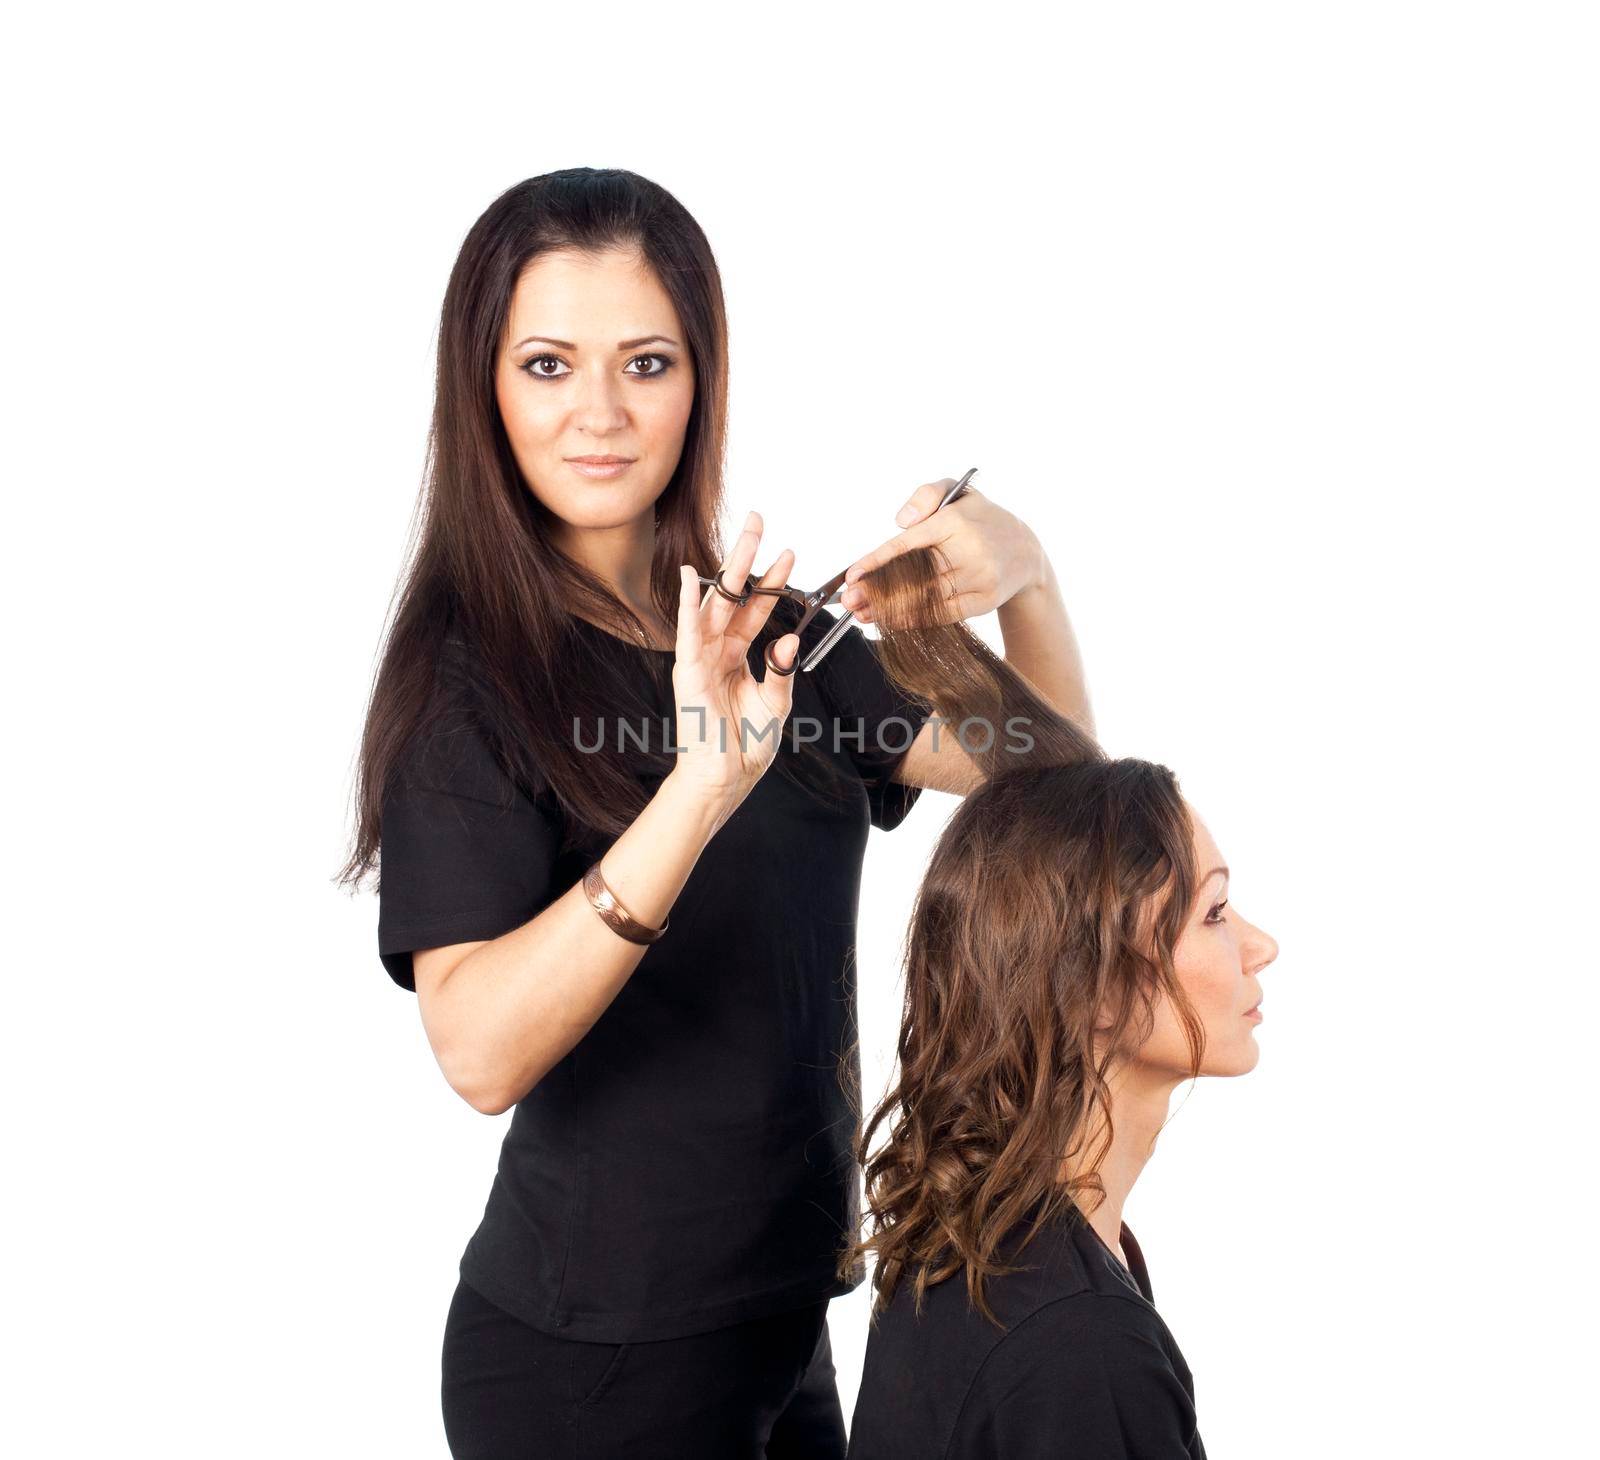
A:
1073	958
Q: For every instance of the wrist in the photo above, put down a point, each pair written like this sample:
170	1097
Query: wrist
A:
1043	573
1038	589
692	800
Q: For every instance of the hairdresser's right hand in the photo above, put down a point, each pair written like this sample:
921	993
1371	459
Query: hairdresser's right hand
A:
713	685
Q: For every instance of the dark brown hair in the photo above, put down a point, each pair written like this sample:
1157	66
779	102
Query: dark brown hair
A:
487	575
1040	939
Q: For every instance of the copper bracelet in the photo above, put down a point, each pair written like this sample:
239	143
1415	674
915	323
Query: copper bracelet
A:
617	917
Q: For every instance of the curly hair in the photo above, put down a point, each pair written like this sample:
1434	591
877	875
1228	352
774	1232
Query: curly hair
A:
1041	939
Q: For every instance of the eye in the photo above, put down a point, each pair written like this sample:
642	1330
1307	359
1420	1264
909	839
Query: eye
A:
534	361
541	367
666	361
1215	915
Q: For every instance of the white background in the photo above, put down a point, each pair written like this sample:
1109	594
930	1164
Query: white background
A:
1277	323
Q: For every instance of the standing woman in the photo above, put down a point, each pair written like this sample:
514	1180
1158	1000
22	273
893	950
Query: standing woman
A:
648	956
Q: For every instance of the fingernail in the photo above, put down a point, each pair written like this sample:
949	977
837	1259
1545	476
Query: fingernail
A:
903	516
750	522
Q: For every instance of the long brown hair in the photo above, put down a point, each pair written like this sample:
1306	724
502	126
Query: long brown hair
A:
1040	939
486	574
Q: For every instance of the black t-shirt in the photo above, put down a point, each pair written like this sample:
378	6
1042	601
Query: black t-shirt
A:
687	1165
1084	1368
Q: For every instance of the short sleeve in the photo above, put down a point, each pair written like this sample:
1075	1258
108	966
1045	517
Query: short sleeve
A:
1088	1376
465	854
877	721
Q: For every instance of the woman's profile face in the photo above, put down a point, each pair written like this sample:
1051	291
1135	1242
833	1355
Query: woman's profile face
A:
1218	958
594	363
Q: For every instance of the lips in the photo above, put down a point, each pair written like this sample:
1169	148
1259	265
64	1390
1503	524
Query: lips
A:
599	467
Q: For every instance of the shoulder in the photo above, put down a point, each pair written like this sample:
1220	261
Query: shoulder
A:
1086	1326
1097	1361
950	1336
1042	1267
1074	1351
457	671
454	746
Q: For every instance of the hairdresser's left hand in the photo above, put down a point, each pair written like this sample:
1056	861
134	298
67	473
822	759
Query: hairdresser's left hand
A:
993	555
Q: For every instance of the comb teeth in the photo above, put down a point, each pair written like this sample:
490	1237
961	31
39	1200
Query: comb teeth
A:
827	642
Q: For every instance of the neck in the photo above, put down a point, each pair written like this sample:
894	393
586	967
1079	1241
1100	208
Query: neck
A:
619	556
1139	1103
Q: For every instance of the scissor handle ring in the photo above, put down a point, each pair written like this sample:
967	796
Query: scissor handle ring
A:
738	598
778	669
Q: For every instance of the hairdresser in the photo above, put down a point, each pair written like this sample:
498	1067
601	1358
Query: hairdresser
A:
624	921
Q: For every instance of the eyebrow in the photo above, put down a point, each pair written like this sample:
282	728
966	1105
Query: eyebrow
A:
1212	873
621	344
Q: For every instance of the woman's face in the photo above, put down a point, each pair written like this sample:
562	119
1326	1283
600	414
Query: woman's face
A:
594	363
1218	959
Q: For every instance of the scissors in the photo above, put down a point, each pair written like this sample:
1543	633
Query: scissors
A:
809	603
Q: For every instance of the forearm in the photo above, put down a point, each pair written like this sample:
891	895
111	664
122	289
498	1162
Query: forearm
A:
1041	646
514	1006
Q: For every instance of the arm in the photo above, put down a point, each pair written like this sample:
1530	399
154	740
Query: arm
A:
997	562
1041	646
935	760
500	1014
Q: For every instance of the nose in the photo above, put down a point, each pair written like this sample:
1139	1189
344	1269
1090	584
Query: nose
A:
599	408
1260	949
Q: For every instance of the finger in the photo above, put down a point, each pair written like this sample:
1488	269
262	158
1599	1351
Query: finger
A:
954	609
777	690
921	535
923	501
724	572
735	569
689	642
965	605
857	598
747	621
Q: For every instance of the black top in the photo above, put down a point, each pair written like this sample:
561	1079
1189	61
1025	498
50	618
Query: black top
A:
1084	1368
687	1165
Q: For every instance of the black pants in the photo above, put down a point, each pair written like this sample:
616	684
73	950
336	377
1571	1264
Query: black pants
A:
759	1389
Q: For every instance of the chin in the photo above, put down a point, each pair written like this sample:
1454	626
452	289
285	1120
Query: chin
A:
1248	1058
600	508
1226	1064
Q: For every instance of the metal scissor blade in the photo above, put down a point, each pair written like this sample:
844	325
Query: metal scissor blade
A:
827	642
